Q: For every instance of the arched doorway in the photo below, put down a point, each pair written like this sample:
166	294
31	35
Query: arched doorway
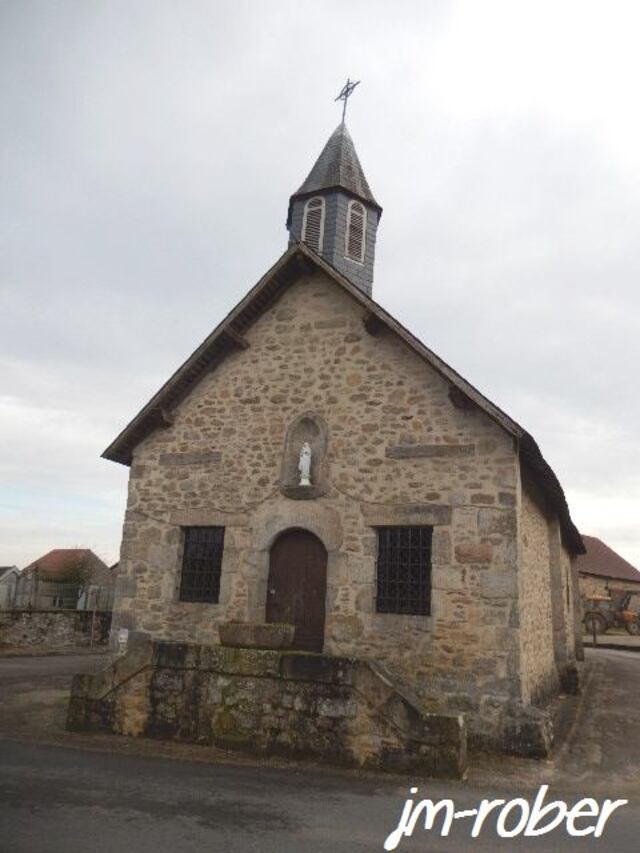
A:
297	586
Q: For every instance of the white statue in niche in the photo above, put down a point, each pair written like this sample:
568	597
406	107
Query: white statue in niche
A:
304	464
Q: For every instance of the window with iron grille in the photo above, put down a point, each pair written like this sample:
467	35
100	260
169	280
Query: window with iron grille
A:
404	570
356	227
313	224
201	562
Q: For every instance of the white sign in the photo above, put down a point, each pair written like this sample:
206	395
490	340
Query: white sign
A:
123	639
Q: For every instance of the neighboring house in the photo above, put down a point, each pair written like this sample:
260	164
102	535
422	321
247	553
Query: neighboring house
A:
601	570
313	462
62	578
8	579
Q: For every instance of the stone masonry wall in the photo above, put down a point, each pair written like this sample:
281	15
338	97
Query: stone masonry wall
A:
568	604
539	672
597	585
398	452
53	628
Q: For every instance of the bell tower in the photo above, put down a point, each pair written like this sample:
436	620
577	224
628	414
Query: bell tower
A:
334	211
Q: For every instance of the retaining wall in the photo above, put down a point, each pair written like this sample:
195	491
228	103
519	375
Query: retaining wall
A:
338	710
57	628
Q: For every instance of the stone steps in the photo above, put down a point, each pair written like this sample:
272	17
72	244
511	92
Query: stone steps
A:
340	710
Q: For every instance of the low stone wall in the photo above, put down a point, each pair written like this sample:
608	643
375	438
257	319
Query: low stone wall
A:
339	710
57	628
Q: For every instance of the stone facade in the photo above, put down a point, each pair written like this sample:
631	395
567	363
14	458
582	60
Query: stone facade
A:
399	451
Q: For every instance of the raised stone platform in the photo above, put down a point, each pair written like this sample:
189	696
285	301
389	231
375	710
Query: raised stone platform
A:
339	710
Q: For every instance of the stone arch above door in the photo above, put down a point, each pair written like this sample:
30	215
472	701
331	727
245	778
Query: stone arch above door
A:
269	522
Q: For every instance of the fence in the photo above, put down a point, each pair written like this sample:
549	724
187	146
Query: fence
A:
34	593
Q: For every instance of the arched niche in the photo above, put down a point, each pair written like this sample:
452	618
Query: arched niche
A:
311	428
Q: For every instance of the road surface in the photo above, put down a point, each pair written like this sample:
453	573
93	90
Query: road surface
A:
108	794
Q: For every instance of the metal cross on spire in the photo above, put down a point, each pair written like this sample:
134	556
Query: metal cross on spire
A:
345	94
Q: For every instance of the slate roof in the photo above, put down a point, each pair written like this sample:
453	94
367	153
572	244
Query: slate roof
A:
299	259
337	166
602	560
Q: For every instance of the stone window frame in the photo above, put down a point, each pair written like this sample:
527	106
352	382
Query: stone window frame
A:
218	558
323	210
408	610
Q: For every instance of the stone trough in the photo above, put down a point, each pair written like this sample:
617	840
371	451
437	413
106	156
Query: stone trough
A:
256	635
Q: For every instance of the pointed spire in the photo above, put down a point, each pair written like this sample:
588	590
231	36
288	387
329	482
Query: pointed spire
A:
338	166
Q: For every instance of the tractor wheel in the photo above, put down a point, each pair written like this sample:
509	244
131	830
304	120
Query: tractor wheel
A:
633	627
595	620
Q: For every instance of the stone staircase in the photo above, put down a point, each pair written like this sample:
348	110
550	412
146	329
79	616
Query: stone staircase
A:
339	710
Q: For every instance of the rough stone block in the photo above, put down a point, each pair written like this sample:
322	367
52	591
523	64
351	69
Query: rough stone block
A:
252	635
191	457
502	521
529	732
474	552
499	585
430	451
431	514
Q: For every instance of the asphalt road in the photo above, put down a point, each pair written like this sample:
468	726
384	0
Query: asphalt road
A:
64	800
34	691
91	796
26	669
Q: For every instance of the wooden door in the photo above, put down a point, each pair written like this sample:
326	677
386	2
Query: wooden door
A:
297	587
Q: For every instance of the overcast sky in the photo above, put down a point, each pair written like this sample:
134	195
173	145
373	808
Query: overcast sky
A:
147	154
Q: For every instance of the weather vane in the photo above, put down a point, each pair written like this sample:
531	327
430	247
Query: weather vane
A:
345	94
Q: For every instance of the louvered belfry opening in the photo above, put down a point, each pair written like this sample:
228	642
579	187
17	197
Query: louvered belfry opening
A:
355	232
312	230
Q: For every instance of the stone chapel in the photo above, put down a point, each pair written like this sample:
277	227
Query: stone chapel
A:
314	463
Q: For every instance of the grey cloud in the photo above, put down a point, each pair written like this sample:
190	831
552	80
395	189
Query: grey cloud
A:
148	155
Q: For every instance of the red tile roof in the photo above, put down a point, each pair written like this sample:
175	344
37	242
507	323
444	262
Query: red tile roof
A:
57	563
602	560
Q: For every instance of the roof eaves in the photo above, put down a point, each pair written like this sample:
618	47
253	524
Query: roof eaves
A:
531	456
214	347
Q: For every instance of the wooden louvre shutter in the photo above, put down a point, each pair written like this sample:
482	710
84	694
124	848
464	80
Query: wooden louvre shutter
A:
355	232
313	224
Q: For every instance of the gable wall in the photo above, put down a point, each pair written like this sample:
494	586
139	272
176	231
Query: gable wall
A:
220	463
